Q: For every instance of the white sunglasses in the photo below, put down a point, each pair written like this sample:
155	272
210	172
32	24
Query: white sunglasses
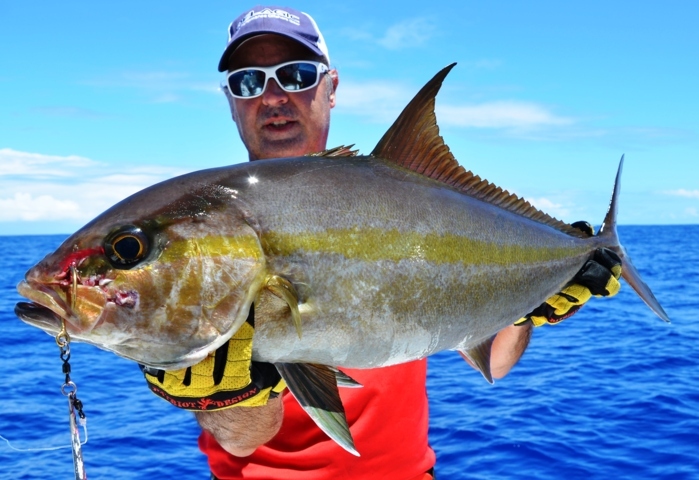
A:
294	76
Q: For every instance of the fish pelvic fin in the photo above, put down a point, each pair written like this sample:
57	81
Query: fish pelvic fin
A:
479	358
414	142
608	233
315	388
284	289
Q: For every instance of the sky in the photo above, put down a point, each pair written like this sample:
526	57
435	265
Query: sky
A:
101	99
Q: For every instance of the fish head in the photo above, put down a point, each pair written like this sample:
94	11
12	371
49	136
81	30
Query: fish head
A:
163	286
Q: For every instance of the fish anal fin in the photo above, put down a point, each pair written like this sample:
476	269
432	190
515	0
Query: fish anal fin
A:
414	142
344	380
315	388
479	357
284	289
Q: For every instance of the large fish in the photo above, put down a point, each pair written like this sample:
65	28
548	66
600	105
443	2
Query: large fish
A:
351	261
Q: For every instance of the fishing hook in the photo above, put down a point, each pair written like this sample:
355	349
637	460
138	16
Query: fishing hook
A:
63	339
74	285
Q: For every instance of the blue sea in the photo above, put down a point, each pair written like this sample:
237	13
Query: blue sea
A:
610	393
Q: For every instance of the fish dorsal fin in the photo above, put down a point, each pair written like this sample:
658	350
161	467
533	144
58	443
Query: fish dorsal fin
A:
413	142
341	151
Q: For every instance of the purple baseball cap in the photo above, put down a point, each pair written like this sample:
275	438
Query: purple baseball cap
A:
285	21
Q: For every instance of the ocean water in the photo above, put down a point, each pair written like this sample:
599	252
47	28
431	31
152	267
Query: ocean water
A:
610	393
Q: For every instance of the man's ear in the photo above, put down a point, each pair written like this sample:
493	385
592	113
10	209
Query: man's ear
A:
335	80
231	100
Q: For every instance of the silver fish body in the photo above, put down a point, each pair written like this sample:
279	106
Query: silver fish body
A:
391	266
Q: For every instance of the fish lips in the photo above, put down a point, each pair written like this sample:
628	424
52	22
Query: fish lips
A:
47	307
39	316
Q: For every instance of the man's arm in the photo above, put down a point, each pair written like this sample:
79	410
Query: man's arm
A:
236	400
241	430
508	347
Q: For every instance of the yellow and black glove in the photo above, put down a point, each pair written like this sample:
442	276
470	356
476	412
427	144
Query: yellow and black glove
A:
599	276
226	378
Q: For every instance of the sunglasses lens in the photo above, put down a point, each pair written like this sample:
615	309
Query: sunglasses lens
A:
297	76
247	83
292	77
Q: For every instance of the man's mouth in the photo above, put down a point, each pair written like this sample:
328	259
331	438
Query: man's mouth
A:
280	125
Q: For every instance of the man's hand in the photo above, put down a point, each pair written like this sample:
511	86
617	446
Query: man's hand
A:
226	378
599	277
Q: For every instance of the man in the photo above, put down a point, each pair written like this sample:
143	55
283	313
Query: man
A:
281	91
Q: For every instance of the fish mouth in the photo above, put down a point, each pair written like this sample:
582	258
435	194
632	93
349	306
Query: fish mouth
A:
42	297
79	306
39	316
47	309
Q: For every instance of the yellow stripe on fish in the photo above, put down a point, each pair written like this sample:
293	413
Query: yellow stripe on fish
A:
212	246
374	244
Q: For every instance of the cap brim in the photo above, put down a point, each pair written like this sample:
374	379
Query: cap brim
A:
223	63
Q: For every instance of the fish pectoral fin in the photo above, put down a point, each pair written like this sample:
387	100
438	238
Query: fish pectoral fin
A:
315	388
479	357
284	289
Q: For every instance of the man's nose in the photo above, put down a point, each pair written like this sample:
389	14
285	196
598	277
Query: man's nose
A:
274	94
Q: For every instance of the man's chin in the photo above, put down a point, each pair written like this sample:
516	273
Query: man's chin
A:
294	146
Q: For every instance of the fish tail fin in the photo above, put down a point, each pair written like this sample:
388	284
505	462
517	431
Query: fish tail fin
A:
608	234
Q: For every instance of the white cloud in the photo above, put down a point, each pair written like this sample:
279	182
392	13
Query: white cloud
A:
692	212
158	86
167	97
408	33
142	79
13	162
161	81
556	210
26	207
412	32
380	101
683	193
500	114
39	187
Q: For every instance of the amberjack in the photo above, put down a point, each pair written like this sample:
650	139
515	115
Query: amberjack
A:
357	261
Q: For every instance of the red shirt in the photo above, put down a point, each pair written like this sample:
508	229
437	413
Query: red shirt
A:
388	418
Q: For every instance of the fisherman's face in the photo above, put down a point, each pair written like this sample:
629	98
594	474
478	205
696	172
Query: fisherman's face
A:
280	123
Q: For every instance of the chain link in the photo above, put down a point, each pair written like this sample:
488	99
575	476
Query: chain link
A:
70	390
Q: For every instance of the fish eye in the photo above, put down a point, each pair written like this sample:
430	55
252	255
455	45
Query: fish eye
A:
126	247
